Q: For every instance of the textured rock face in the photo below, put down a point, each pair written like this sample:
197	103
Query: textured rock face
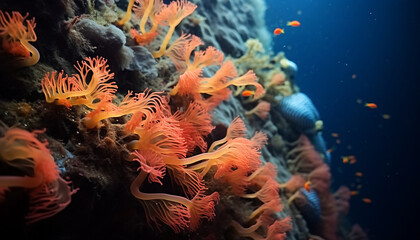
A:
228	24
144	62
108	41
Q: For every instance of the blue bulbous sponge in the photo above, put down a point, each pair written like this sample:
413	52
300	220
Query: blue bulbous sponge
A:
299	110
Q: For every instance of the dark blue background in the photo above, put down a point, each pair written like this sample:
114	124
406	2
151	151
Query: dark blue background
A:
378	41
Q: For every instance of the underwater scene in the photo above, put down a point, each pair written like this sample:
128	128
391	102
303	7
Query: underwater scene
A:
209	119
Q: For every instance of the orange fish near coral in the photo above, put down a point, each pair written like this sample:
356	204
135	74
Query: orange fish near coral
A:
248	93
371	105
345	159
354	193
278	31
367	200
359	174
293	23
306	186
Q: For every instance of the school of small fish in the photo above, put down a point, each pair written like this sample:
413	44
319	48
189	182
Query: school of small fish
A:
350	159
294	23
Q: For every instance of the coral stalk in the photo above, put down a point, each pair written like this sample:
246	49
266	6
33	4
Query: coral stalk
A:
127	14
176	211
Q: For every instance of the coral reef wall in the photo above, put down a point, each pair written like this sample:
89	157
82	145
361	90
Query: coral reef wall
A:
227	25
164	122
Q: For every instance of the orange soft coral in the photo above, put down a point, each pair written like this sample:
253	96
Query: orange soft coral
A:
171	15
190	181
261	110
88	87
21	149
195	123
233	155
162	135
236	129
274	230
140	103
270	207
177	212
14	31
143	39
188	84
268	192
217	86
127	15
181	49
145	9
48	192
262	174
148	9
295	182
151	163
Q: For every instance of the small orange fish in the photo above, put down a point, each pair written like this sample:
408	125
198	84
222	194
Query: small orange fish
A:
293	23
345	159
371	105
334	135
367	200
354	193
248	93
307	186
359	174
278	31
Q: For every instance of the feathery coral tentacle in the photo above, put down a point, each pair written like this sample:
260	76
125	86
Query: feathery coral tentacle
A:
12	31
77	89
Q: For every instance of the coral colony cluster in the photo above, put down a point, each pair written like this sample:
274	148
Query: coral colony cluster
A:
197	152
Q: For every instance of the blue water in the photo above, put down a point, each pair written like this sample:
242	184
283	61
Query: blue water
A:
377	41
